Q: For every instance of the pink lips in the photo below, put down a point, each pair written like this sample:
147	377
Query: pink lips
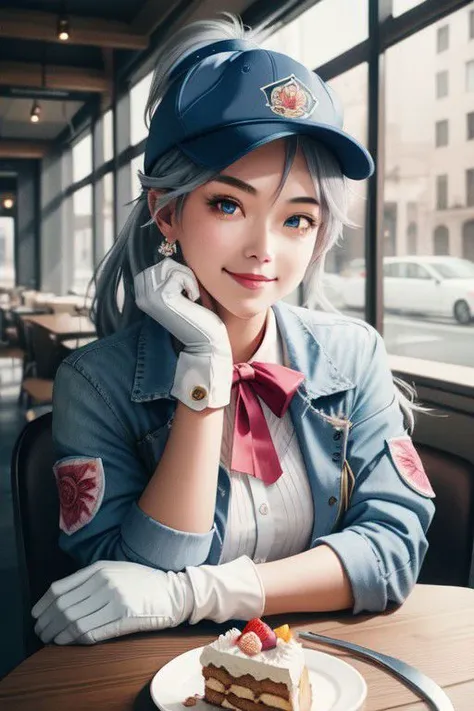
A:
250	281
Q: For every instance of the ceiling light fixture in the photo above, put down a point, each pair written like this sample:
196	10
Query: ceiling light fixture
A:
63	28
35	112
8	203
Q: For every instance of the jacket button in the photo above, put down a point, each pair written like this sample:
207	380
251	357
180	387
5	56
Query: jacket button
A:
263	509
198	393
332	501
336	456
337	435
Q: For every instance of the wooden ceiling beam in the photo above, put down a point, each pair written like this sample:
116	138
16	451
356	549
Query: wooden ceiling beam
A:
42	26
23	149
25	74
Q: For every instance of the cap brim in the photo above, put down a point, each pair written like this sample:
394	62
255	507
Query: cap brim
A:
221	147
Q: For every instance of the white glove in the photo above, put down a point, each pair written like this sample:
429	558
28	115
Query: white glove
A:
111	599
203	376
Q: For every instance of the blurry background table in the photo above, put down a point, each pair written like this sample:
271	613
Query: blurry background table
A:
433	631
64	325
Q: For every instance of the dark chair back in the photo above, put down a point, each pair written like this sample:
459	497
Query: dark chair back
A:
36	516
449	557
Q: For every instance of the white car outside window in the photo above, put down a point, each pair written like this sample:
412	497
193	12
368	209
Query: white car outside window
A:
438	286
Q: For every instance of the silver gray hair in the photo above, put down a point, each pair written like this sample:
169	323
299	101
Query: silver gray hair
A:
176	176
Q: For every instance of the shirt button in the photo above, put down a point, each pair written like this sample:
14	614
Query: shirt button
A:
332	501
263	509
198	393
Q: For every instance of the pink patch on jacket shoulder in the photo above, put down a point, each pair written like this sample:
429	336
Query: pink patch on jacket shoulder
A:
80	482
409	465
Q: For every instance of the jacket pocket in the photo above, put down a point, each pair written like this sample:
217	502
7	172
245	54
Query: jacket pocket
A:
152	445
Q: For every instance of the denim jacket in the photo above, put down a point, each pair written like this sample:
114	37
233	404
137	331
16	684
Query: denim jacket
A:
112	403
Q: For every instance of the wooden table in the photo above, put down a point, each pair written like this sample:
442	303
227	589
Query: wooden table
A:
64	326
433	630
75	343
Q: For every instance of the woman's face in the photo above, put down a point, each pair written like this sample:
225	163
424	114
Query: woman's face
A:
233	228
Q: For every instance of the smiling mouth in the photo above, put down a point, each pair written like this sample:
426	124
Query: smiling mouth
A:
250	277
253	282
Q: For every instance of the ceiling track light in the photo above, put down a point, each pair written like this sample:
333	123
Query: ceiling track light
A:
35	112
63	28
8	203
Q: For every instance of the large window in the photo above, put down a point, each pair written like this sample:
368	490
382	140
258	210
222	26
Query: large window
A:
82	158
345	264
7	255
138	98
108	136
401	6
82	236
426	194
108	211
318	35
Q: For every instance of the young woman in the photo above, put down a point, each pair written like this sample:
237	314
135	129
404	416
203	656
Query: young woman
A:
222	454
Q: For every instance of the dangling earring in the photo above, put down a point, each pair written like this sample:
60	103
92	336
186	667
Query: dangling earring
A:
167	249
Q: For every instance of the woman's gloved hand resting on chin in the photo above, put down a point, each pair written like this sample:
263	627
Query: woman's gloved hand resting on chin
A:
206	359
114	598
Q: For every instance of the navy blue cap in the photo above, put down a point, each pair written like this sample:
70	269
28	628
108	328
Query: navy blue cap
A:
231	97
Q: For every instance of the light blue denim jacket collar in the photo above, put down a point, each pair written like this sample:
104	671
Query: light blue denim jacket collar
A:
156	359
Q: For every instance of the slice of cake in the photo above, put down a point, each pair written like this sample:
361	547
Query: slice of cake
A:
256	669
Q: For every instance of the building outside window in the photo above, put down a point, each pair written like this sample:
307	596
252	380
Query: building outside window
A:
441	131
441	192
442	39
441	84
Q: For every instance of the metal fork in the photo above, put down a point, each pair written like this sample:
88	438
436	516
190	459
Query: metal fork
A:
418	682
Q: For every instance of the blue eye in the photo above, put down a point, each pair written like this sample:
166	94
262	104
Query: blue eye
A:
300	222
293	221
227	207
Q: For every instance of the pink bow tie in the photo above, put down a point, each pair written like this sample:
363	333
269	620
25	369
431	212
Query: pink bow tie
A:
252	450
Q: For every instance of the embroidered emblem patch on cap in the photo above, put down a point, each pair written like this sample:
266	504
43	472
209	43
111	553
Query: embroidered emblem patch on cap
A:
409	465
290	98
80	482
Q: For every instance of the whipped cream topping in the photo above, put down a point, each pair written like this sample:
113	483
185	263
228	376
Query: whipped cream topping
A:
283	664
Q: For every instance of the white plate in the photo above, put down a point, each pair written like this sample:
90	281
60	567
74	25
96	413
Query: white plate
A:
336	685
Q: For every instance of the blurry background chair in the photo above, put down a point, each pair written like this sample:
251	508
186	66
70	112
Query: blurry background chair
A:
36	517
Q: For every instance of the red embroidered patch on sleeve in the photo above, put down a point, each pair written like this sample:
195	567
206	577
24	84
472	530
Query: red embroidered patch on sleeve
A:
80	482
409	465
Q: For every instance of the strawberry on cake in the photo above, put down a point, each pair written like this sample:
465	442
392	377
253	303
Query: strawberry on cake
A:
256	669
